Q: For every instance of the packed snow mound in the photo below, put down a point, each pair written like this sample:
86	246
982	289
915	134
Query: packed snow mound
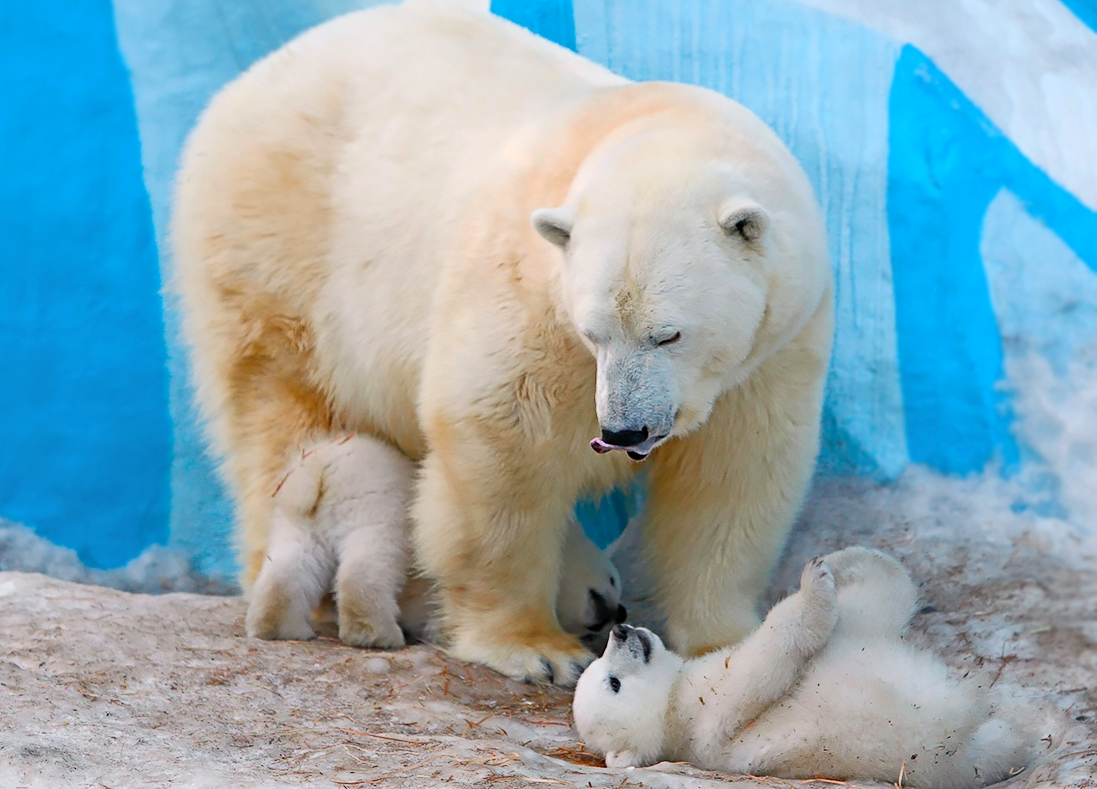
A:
157	569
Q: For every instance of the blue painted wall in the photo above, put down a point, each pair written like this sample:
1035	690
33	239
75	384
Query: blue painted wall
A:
85	438
180	52
950	347
923	195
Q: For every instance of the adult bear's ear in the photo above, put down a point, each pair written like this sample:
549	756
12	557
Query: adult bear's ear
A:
554	224
745	219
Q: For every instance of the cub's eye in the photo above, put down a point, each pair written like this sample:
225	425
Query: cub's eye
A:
670	340
614	684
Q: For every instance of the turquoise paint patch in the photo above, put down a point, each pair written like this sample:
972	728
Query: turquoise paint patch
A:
1085	10
551	19
946	163
85	440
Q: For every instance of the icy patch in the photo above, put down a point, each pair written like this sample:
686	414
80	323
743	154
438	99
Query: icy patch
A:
1057	425
158	569
1045	299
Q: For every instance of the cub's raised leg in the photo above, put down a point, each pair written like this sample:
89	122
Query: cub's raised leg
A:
738	684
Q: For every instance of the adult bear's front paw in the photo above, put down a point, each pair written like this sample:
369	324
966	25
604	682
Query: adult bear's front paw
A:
548	660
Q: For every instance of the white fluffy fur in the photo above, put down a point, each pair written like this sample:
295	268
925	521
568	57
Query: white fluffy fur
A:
826	686
355	252
340	517
341	525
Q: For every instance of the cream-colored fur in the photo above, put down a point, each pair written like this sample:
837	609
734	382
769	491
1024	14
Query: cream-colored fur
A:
355	252
340	525
826	686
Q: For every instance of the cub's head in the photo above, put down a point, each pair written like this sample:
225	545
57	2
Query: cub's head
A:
621	699
589	597
683	269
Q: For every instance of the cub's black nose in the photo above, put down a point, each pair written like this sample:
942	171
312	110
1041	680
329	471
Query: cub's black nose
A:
620	632
625	438
603	614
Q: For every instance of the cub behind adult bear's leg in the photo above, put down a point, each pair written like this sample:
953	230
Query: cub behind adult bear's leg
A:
340	524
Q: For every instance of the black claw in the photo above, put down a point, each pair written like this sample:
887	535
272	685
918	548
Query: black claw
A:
546	670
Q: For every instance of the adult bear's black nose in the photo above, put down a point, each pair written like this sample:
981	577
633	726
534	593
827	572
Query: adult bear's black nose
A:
625	438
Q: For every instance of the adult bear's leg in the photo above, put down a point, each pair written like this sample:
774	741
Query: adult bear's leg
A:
252	370
491	533
269	418
723	500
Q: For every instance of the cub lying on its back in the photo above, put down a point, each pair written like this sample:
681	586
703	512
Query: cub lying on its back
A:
825	687
340	524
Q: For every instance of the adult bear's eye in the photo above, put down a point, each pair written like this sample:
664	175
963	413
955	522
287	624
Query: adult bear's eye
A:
671	340
614	684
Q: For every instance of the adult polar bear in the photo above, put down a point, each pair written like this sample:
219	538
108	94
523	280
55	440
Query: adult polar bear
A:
355	251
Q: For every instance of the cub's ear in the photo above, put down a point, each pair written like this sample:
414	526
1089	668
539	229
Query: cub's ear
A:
745	219
554	224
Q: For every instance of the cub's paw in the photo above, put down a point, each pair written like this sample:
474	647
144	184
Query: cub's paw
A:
820	600
816	577
549	661
623	759
269	625
370	626
276	611
371	635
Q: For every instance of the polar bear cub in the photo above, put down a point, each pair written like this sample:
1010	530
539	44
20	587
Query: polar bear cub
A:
341	524
826	686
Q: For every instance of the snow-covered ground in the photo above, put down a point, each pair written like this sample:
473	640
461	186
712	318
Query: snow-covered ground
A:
105	688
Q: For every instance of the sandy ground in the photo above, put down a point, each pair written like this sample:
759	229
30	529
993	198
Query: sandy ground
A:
101	688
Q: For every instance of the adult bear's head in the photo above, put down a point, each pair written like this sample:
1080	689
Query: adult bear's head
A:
693	250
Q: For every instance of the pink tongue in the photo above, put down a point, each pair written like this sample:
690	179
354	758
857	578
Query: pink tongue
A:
601	447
